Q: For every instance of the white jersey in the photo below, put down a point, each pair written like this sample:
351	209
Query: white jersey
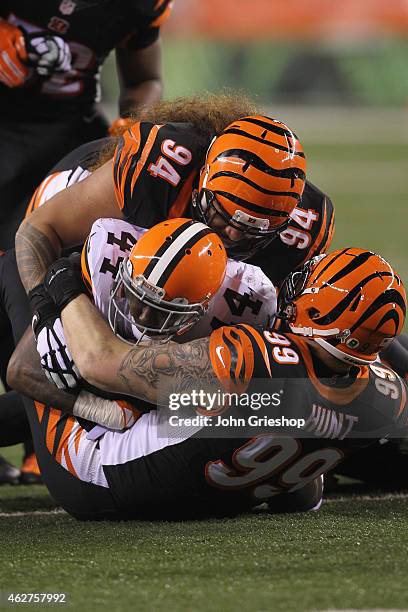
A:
246	295
53	184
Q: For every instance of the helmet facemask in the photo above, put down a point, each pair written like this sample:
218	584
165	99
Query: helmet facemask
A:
256	231
294	286
133	297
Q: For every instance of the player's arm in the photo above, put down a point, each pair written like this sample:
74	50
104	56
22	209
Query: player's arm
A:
140	76
65	220
25	375
138	57
107	362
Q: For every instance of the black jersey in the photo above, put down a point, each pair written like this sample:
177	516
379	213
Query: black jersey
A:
310	232
224	476
92	29
157	166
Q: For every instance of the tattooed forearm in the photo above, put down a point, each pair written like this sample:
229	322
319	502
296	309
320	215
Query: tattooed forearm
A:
34	252
167	368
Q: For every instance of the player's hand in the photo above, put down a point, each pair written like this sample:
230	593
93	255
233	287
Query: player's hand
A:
48	54
13	54
63	282
56	360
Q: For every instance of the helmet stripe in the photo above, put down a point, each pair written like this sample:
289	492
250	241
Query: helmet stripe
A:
248	181
260	209
391	295
162	249
331	316
268	143
256	162
272	127
391	315
175	252
329	263
351	266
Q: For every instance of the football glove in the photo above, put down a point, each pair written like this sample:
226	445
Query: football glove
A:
56	360
48	54
63	282
13	54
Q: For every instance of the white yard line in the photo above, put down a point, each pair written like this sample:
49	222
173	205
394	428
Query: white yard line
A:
34	513
375	498
330	500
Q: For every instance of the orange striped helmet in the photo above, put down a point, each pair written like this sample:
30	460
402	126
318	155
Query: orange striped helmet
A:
350	302
253	176
168	280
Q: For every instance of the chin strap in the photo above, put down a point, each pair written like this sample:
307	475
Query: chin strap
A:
310	332
316	336
345	357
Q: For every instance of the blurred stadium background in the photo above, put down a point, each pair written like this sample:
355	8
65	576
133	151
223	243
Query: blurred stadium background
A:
337	73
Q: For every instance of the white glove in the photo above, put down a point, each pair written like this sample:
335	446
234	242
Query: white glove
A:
56	360
47	53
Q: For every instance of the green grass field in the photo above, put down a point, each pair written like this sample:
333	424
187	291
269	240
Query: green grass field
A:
352	554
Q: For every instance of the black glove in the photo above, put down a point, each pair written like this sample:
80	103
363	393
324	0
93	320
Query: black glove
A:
42	308
63	282
56	360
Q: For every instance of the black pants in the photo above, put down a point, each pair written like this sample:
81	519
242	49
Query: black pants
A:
381	465
83	500
28	149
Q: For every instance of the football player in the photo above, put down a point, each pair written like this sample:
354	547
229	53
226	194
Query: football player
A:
283	255
51	54
203	291
341	309
248	185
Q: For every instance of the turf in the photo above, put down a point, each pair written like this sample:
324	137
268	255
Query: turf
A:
350	555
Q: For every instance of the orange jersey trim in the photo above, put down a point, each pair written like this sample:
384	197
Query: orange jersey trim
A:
145	154
35	201
232	358
131	145
329	238
261	344
40	410
183	199
63	447
123	405
53	420
86	273
164	16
